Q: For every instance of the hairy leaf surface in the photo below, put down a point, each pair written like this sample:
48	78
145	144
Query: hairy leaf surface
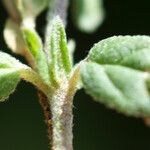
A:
35	47
9	79
116	74
9	75
60	60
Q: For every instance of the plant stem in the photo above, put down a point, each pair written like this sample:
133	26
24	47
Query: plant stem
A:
61	108
43	100
61	102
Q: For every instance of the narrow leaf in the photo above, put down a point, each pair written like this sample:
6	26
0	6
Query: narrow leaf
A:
36	49
59	60
33	41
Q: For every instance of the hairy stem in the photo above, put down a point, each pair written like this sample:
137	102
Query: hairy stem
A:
61	108
60	126
43	100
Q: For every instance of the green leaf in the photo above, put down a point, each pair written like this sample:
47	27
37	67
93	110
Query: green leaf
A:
131	51
118	87
7	61
88	14
59	61
14	38
9	74
35	47
11	71
9	79
116	74
33	41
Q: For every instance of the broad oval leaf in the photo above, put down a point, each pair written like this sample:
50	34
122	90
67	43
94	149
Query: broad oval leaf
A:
118	87
117	74
131	51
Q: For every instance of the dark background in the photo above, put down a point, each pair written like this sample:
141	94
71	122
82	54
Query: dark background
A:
95	127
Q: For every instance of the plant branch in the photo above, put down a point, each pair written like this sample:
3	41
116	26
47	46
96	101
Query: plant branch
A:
32	77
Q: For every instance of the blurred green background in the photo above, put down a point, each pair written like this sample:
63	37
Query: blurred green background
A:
95	127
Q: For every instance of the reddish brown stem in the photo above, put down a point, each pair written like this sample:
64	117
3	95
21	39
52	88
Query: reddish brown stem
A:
47	114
